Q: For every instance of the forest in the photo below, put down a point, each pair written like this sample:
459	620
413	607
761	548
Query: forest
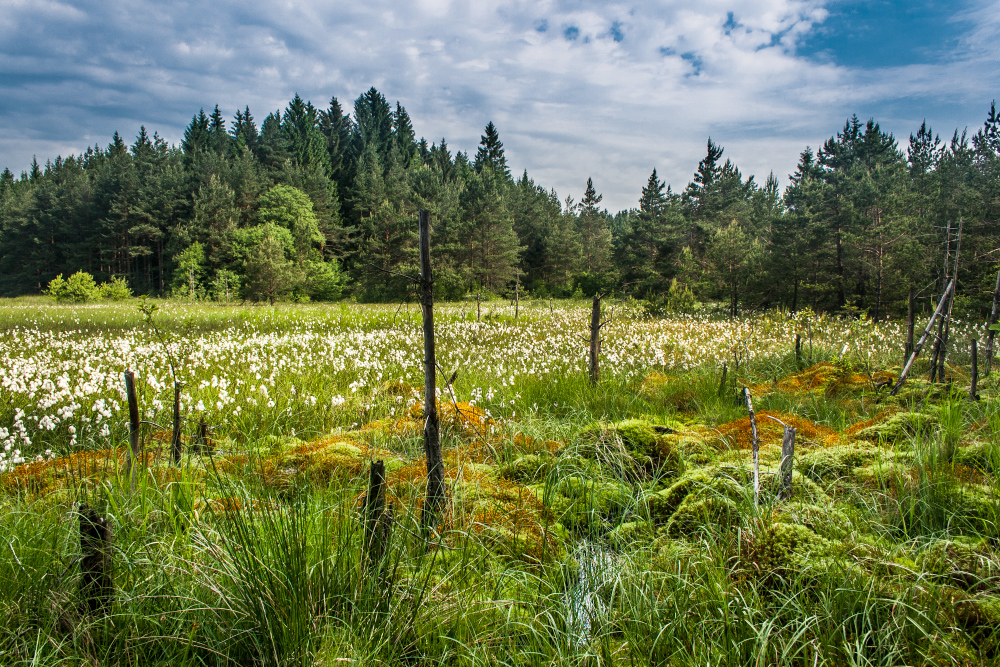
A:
319	204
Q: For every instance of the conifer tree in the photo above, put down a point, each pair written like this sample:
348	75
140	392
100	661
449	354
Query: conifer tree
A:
491	154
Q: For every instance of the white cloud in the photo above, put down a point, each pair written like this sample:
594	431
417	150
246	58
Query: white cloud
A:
577	89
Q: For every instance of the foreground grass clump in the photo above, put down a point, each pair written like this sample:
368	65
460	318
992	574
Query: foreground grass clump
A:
584	525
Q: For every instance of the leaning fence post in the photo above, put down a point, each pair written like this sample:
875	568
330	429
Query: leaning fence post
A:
787	462
96	584
133	427
756	446
923	339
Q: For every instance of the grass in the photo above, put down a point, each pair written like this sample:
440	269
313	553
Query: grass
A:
585	525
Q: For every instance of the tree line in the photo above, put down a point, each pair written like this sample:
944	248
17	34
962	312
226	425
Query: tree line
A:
318	204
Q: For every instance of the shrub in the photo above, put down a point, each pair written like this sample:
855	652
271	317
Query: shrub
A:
80	287
116	289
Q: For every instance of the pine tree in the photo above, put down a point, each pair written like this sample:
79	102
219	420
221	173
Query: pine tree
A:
196	136
491	154
244	131
595	231
335	125
405	139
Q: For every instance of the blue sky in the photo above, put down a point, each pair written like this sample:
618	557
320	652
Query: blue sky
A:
577	88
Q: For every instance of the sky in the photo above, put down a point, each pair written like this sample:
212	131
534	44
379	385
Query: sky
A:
577	88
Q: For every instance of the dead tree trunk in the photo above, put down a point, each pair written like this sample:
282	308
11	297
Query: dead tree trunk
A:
96	584
175	438
722	380
133	427
923	339
787	461
755	445
798	350
595	340
992	333
975	371
432	433
377	519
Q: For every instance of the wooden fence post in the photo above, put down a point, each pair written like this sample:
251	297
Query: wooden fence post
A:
377	519
133	427
975	371
798	350
787	463
756	446
432	433
96	584
992	333
595	340
175	438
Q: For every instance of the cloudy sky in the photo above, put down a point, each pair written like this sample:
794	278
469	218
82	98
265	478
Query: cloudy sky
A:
577	88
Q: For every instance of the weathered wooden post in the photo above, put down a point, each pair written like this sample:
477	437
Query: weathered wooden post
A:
722	379
133	427
992	333
595	340
201	439
479	316
923	339
377	519
96	584
756	446
798	350
432	433
975	371
787	461
175	438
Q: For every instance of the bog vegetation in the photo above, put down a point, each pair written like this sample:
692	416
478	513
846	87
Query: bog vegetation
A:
585	524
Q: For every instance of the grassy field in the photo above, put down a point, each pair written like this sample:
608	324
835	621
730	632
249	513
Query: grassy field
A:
585	525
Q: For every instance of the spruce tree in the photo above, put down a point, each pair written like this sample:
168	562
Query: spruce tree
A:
491	154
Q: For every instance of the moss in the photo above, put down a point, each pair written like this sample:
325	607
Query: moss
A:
580	503
900	427
693	448
632	533
661	505
979	455
526	469
638	436
837	462
825	521
963	562
784	548
698	512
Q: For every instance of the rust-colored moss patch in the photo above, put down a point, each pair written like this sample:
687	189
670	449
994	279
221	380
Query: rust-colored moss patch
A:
809	433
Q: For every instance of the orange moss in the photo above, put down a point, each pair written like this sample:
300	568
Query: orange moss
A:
826	377
41	477
809	433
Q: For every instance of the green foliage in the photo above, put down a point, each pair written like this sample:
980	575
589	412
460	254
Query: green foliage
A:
80	287
115	289
190	267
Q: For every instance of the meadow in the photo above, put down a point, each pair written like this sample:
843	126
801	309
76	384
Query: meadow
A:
584	525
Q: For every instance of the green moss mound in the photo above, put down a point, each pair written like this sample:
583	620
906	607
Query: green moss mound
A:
783	549
632	448
526	469
900	427
963	562
837	462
